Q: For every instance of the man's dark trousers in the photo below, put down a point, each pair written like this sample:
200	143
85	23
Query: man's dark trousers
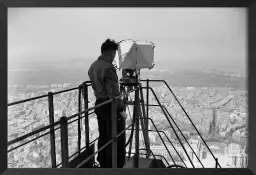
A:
104	123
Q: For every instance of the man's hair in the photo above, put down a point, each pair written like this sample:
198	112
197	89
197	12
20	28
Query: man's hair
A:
109	45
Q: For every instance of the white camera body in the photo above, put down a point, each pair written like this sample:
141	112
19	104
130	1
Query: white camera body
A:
135	55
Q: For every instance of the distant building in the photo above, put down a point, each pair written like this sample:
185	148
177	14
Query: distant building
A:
233	116
236	155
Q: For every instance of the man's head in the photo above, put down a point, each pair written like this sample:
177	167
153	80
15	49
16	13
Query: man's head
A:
108	49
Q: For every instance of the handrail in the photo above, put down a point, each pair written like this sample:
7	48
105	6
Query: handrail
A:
23	137
186	115
50	96
84	148
81	117
171	125
31	140
89	109
183	136
105	145
69	118
46	95
172	146
134	153
52	125
109	142
38	131
180	132
32	133
169	142
146	118
131	153
100	105
26	100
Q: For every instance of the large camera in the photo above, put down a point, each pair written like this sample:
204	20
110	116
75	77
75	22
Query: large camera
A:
133	56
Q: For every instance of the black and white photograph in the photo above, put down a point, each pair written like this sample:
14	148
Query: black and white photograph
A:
127	88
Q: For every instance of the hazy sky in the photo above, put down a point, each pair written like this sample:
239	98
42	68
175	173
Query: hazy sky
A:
178	33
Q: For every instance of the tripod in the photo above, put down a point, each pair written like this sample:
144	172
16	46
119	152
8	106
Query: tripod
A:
139	117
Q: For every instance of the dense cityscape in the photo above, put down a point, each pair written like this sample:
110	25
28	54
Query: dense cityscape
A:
219	113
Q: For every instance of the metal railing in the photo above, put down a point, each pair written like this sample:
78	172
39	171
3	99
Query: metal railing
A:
163	81
64	133
63	126
180	132
63	122
169	141
52	123
105	145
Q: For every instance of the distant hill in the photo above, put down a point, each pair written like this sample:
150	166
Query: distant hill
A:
199	78
72	71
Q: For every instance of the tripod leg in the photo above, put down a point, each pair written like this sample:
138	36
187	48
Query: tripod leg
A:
137	128
142	123
131	141
145	123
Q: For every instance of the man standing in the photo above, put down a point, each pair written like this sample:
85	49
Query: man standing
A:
105	85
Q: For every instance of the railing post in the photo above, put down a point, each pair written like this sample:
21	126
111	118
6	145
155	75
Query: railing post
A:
147	103
137	128
86	119
79	120
64	142
147	99
217	163
52	134
114	132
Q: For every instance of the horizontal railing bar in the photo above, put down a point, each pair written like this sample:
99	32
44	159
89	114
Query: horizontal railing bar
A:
84	148
67	90
80	118
153	80
169	142
81	164
42	96
31	140
159	136
38	131
55	93
32	133
99	105
27	100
